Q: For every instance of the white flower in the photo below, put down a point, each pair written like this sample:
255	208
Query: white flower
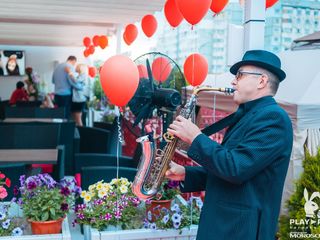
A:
6	224
114	181
153	226
102	193
175	208
87	197
199	203
176	217
176	224
165	219
124	181
2	215
99	186
123	189
149	215
17	231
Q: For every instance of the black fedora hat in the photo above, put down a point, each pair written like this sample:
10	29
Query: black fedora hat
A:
263	59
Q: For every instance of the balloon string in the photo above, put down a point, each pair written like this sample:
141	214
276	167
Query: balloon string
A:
118	163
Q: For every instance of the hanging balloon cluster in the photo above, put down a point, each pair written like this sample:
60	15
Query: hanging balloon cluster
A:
101	41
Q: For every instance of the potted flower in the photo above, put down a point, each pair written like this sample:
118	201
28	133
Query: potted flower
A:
180	215
8	226
46	202
168	191
110	204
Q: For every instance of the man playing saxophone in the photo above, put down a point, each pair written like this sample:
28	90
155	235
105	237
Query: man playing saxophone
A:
244	175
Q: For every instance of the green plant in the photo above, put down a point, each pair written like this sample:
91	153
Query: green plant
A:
309	180
168	190
43	199
110	204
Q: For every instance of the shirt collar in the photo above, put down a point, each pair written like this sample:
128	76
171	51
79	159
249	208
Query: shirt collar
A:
256	103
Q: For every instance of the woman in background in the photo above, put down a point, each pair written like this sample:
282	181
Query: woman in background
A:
78	92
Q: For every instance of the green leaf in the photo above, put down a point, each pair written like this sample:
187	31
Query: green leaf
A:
45	216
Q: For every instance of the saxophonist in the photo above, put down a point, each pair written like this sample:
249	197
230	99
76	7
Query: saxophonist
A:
244	175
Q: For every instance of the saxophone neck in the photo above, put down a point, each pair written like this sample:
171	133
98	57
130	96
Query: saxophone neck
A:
197	90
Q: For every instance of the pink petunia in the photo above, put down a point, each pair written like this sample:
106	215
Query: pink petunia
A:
3	192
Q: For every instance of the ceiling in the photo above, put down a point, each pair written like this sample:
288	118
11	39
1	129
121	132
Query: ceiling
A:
66	22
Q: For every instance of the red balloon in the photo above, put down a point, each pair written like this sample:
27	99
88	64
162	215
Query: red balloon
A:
92	71
218	5
195	69
149	25
270	3
172	13
103	41
95	40
86	41
119	85
161	69
143	73
86	52
91	49
131	33
193	10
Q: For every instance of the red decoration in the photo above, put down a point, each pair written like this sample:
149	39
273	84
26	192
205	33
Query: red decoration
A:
117	84
172	13
270	3
86	52
218	5
195	69
143	73
86	41
130	34
103	41
91	49
149	25
193	10
161	69
92	71
95	40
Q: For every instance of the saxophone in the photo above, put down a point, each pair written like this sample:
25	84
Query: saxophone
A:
155	162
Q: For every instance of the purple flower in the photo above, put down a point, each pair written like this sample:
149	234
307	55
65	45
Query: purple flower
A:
117	214
65	191
108	216
15	191
80	216
173	184
31	185
22	179
64	207
165	219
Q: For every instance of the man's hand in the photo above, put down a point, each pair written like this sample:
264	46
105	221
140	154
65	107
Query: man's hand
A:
184	129
176	172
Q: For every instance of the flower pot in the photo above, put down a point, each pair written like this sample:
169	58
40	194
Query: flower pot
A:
46	227
155	207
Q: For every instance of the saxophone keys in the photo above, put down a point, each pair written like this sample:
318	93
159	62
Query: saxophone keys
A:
168	137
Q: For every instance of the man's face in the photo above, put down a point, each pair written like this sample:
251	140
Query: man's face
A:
246	84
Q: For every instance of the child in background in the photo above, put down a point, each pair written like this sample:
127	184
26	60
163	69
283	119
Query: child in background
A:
20	94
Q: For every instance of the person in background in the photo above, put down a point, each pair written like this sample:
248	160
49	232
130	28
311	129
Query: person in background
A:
79	92
244	175
47	102
1	67
12	66
20	94
63	85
